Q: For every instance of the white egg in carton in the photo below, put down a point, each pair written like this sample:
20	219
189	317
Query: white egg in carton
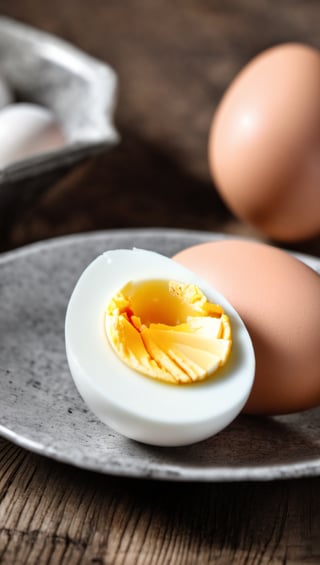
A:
56	110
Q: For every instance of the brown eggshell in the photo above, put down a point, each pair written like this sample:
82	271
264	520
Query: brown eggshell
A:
278	298
264	143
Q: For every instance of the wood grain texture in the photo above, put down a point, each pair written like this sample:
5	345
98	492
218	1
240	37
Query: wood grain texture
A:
53	513
174	60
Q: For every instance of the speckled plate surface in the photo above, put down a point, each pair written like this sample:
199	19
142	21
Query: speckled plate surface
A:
41	410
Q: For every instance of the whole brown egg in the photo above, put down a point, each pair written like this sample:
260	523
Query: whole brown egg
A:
264	143
278	298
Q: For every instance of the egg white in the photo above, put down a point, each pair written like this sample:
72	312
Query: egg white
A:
136	406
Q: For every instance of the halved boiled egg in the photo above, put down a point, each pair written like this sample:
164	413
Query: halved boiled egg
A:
156	352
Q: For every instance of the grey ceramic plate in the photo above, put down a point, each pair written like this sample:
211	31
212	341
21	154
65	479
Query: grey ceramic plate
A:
41	410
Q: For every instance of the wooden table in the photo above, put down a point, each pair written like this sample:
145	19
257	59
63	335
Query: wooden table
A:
174	59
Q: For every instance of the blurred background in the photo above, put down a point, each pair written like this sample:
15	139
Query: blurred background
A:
174	59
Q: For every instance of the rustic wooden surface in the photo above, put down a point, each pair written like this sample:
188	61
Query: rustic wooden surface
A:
174	60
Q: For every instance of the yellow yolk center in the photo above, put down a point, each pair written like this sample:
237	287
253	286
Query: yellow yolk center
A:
168	330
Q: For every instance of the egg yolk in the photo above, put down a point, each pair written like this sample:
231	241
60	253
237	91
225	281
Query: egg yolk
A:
168	330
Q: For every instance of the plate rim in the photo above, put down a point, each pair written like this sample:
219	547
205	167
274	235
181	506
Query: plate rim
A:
34	246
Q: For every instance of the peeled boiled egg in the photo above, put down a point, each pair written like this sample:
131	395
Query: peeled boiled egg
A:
264	143
155	351
27	130
278	298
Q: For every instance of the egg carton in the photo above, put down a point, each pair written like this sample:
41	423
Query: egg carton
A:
79	90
